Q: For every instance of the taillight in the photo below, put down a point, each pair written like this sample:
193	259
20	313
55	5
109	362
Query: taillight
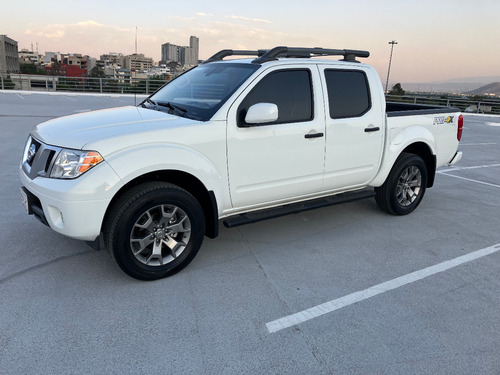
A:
460	127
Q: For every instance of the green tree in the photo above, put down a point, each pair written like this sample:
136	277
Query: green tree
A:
97	72
56	69
27	68
397	90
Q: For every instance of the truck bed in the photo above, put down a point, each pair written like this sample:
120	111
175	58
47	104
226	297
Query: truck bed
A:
394	109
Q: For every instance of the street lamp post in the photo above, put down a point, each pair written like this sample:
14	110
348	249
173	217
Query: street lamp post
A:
390	60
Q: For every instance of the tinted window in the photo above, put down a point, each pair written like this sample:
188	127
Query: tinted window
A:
290	90
348	93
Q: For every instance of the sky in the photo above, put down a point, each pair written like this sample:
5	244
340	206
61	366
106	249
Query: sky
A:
437	39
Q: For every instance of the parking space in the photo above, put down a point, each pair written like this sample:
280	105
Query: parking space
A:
68	309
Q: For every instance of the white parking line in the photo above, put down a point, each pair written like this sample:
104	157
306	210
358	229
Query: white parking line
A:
464	168
328	307
477	144
471	180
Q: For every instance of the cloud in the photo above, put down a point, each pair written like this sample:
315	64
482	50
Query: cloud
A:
86	37
201	14
256	20
179	18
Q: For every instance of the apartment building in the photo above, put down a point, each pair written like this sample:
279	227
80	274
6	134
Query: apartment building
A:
9	55
181	54
137	62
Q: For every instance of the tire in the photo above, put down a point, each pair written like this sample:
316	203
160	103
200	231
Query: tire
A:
154	230
405	186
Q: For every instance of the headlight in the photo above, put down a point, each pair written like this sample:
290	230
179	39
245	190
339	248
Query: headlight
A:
73	163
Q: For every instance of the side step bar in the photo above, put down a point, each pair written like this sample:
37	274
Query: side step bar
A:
295	208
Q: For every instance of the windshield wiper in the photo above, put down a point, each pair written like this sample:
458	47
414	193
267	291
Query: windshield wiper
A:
173	107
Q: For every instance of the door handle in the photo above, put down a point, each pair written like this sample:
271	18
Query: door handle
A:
314	135
373	129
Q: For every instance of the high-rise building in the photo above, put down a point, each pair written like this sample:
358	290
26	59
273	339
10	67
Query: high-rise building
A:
194	45
9	55
170	52
182	55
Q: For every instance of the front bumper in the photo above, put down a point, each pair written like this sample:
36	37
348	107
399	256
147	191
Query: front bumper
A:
74	208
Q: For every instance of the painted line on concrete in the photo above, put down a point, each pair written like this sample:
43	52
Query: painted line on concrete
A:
465	168
336	304
477	144
471	180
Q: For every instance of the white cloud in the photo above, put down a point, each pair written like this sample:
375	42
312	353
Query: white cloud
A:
179	18
256	20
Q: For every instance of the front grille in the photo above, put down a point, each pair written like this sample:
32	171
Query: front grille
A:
32	151
49	160
38	158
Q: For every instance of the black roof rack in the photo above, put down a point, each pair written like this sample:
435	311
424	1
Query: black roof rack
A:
290	52
231	52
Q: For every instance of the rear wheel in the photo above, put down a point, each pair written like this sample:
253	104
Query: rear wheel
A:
405	186
155	230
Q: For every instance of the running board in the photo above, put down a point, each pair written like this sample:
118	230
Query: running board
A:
295	208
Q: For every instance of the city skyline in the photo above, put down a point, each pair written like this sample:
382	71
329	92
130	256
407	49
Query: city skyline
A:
437	40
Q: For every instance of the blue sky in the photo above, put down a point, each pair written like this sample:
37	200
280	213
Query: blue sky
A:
437	40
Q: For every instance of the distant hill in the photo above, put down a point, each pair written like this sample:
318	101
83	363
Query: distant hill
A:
458	85
492	88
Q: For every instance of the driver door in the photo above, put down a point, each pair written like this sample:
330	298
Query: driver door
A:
275	162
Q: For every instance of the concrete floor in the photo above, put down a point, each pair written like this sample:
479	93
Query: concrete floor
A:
67	309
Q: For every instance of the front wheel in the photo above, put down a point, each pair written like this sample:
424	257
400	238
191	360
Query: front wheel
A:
405	186
155	230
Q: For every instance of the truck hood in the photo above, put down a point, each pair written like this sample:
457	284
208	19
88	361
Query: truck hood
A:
77	131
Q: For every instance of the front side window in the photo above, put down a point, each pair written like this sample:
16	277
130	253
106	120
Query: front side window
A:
290	90
348	93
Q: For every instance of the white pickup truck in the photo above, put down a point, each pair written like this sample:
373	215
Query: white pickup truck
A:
236	140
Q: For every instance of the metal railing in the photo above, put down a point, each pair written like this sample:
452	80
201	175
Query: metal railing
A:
119	85
464	104
132	85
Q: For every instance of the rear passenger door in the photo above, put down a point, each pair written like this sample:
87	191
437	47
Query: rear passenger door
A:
355	126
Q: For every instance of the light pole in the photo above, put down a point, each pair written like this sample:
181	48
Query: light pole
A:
390	60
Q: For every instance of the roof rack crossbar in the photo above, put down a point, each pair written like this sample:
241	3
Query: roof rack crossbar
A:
290	52
230	52
273	54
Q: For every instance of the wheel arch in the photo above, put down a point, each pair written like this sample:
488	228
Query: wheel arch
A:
419	148
423	150
186	181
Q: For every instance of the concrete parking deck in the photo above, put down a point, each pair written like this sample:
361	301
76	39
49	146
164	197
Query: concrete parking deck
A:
67	309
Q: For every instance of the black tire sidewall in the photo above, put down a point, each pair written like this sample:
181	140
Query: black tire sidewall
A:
406	161
121	249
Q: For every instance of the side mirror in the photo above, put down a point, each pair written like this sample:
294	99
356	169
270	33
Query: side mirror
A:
261	113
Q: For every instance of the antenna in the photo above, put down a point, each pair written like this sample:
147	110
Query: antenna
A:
136	40
389	70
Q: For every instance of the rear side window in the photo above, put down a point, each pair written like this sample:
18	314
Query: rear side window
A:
348	93
290	90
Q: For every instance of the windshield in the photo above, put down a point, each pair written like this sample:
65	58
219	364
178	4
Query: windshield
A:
200	92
